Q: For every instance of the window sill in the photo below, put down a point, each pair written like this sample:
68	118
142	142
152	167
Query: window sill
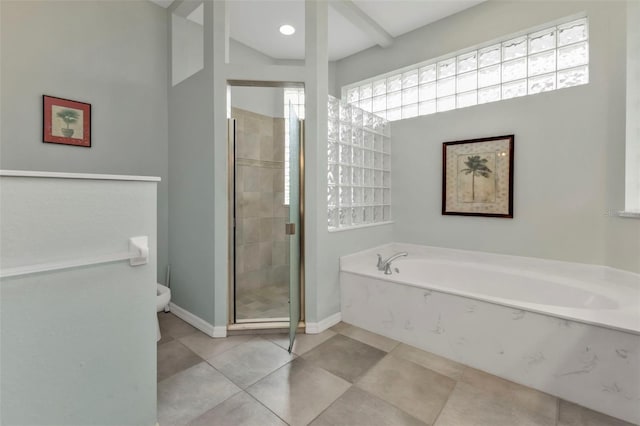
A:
629	214
367	225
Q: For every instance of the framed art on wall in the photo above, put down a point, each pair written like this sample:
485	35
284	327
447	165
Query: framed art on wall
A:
66	122
477	177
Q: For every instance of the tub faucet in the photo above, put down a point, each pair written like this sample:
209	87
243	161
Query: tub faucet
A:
385	265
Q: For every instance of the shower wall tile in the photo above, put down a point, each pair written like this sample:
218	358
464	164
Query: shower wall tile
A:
262	252
239	260
239	232
266	229
250	179
266	250
266	179
279	274
266	145
251	227
266	204
278	181
279	208
250	148
280	253
248	280
278	135
278	229
250	254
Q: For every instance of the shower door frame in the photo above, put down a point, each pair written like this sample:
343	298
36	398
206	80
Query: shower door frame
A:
247	325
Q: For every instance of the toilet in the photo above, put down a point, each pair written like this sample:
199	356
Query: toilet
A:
163	296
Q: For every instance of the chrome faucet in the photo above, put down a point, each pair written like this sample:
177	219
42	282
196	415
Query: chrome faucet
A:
385	265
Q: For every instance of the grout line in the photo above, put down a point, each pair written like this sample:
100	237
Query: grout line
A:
435	421
334	401
268	409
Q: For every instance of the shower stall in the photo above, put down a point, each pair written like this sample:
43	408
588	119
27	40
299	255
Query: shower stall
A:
265	165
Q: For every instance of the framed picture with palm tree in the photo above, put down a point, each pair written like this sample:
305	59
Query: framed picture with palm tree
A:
477	177
66	122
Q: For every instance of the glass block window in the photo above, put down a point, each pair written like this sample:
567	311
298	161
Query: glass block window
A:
295	96
359	167
553	58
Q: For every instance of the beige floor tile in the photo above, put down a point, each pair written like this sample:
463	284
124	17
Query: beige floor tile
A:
429	360
364	336
174	326
239	410
164	338
190	393
303	343
522	396
207	347
472	406
299	391
174	357
339	327
575	415
412	388
357	407
249	362
344	357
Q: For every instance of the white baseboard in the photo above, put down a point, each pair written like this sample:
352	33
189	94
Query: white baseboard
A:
197	322
319	327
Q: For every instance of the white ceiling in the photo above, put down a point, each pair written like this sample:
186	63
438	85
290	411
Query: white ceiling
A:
255	23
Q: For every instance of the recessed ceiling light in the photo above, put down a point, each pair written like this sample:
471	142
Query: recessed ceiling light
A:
287	29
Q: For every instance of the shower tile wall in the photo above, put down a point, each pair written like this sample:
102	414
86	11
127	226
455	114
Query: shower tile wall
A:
262	248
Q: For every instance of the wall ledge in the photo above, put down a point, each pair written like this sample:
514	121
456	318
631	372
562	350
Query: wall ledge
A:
629	214
91	176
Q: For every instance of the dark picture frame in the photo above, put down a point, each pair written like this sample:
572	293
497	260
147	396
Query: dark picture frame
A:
66	122
477	177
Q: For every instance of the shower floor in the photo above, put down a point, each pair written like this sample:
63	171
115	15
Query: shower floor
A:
265	302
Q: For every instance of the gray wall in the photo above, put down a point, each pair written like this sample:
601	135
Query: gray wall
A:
633	107
191	180
77	345
110	54
261	100
569	149
187	47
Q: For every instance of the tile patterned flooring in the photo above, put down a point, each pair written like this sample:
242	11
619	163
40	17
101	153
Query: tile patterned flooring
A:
270	301
343	376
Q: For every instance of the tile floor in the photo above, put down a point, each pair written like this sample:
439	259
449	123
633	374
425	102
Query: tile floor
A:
343	376
270	301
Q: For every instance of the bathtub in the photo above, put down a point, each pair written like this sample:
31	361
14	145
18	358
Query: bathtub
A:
571	330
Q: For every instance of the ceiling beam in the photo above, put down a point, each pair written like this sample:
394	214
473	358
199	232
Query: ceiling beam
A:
185	7
357	17
162	3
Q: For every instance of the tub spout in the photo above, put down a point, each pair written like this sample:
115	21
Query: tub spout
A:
385	265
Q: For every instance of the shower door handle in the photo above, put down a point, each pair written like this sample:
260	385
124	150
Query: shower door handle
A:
290	228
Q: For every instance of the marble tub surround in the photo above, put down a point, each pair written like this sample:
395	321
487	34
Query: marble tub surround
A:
390	391
594	366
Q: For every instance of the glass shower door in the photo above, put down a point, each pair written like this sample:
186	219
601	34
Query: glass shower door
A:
293	227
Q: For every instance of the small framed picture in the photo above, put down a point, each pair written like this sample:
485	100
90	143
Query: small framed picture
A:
66	122
477	177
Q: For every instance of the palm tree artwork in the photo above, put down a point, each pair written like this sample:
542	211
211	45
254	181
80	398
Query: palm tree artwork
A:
476	166
69	116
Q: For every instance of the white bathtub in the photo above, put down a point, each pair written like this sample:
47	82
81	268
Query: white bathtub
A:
571	330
